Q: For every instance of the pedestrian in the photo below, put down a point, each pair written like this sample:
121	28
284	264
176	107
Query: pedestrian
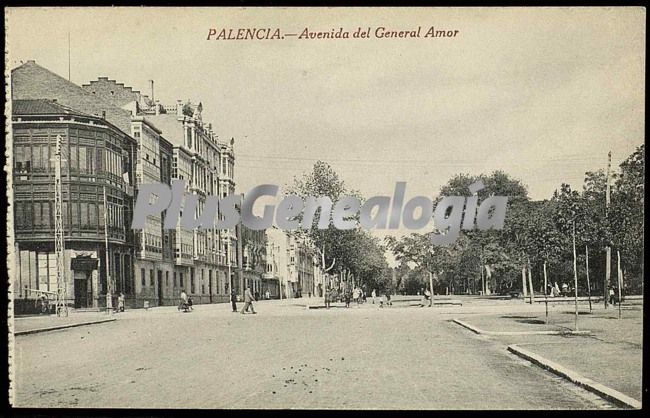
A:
347	298
190	303
425	297
364	296
355	295
268	294
233	300
374	295
326	295
183	304
120	302
612	295
248	301
388	302
556	290
45	305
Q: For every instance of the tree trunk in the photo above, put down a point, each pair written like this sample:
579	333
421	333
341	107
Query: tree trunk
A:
545	291
523	281
530	283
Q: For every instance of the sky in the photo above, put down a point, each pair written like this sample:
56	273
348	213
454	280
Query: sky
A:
542	94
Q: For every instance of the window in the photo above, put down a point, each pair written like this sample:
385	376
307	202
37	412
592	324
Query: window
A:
144	281
23	159
182	280
152	279
74	161
38	218
92	215
167	278
90	160
98	161
83	166
85	219
175	281
19	214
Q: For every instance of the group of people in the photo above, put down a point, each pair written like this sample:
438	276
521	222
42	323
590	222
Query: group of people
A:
248	300
186	302
120	303
554	290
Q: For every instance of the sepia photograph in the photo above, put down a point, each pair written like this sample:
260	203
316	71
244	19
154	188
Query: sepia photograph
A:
325	208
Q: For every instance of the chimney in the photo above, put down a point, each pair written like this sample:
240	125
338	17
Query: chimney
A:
157	105
151	86
179	108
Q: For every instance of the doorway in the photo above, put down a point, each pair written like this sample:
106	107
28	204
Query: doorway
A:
160	288
81	289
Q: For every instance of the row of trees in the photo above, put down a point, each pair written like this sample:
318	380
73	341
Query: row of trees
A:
536	235
353	254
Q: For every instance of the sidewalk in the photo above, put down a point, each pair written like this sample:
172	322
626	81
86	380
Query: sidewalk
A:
611	355
42	323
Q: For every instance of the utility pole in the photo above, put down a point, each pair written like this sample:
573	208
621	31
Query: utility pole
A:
482	277
608	249
431	288
230	283
620	284
546	291
109	282
68	55
59	243
575	273
588	284
240	259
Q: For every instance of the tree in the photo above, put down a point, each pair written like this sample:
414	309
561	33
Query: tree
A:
353	251
626	216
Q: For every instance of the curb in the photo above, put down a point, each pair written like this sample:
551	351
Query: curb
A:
482	332
56	327
588	384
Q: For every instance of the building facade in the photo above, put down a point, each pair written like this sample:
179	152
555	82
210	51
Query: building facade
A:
198	262
97	161
118	139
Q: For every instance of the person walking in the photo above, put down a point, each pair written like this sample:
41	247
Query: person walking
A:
233	300
355	295
374	295
248	301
